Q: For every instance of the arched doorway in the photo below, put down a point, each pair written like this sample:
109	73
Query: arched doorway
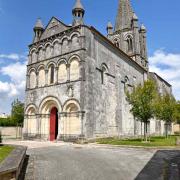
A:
53	124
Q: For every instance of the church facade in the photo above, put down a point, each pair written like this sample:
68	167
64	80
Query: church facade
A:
76	78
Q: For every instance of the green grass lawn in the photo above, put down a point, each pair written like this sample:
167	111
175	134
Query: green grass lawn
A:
154	142
4	152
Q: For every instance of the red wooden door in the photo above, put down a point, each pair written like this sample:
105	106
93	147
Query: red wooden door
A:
53	117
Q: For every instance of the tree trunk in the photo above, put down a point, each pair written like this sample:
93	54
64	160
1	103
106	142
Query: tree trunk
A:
145	132
166	130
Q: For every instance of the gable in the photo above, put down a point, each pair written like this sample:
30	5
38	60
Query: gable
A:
54	27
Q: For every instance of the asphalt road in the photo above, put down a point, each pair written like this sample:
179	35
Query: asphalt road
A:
65	161
87	163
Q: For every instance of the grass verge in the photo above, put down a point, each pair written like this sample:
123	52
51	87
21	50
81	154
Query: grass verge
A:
154	141
4	152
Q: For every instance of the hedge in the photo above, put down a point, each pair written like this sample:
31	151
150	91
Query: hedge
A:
7	122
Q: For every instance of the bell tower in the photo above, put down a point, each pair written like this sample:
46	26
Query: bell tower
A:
78	13
38	30
127	35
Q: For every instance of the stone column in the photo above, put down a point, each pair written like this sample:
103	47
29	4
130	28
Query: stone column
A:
68	72
38	125
27	81
82	71
37	79
46	77
81	117
56	75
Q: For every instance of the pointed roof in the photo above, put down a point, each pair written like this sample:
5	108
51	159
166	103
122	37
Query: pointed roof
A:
124	15
135	16
109	25
78	5
39	24
143	28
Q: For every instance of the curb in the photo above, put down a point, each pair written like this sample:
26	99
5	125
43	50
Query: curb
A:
11	167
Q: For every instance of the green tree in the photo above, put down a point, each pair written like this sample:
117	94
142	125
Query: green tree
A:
0	137
17	112
165	109
177	114
141	100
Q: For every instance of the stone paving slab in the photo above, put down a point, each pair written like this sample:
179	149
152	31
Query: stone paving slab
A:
67	161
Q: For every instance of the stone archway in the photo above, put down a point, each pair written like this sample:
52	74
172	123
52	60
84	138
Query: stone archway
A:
71	122
49	109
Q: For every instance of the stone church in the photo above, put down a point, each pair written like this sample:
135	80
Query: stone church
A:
76	78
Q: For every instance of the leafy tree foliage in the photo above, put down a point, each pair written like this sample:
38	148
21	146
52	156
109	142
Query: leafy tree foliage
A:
7	122
177	114
165	107
0	137
17	112
142	102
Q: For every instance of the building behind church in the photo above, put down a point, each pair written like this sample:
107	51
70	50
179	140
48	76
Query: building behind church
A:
76	78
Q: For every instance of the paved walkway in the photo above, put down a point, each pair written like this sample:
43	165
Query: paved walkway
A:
67	161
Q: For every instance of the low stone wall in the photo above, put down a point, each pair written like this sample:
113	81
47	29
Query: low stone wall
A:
11	167
11	132
176	128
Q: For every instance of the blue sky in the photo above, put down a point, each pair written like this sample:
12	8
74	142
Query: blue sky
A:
17	18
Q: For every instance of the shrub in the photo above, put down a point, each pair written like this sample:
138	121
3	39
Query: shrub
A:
7	122
0	137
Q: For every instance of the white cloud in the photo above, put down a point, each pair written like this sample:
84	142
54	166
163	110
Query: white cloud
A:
167	65
12	56
16	72
14	87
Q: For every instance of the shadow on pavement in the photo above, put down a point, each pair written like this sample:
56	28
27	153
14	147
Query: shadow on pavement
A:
164	165
24	168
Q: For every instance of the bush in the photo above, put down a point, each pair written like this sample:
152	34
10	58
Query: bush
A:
0	137
176	133
7	122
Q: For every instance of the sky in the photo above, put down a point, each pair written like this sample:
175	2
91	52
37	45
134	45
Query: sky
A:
17	18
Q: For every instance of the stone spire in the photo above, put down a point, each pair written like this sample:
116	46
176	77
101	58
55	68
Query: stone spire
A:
124	15
78	13
38	24
38	30
78	5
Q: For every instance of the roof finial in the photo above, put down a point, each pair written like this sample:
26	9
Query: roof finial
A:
39	24
78	13
78	5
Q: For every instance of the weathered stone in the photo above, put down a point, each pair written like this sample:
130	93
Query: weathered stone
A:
82	74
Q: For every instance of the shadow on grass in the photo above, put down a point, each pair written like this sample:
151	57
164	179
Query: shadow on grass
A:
24	168
165	165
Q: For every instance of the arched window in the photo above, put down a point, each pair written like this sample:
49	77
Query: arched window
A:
126	83
74	70
48	51
32	80
34	57
129	44
41	80
103	74
56	48
62	73
65	45
51	74
41	54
